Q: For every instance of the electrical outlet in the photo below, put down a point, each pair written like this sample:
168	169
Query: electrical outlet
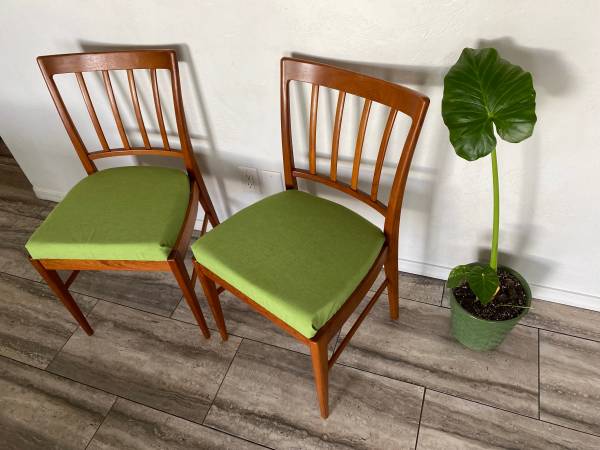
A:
250	180
271	182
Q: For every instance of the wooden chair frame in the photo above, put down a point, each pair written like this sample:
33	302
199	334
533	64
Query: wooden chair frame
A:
129	61
397	98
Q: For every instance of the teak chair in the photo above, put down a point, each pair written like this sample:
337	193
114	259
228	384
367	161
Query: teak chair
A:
303	262
128	218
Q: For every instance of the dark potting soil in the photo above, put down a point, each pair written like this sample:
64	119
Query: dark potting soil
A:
501	307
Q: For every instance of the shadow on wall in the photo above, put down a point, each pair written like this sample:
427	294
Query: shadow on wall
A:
551	78
207	142
421	188
537	269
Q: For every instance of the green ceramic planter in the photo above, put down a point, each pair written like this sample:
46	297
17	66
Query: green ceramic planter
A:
480	334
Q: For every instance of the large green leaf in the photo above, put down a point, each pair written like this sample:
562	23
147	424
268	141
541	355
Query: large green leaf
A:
458	276
481	91
482	280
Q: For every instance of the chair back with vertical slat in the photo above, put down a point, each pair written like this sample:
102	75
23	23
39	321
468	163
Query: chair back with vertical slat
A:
131	62
397	98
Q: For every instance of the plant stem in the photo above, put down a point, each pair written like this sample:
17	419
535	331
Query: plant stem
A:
496	225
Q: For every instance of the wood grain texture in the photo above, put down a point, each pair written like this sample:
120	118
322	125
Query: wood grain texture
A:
337	127
115	108
15	231
312	134
104	62
91	111
42	412
371	89
243	321
148	359
158	107
33	324
564	319
570	381
417	287
360	140
268	397
154	292
419	348
133	426
450	423
39	410
385	140
136	108
57	285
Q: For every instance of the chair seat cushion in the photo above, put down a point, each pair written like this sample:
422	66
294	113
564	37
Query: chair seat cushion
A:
298	256
128	213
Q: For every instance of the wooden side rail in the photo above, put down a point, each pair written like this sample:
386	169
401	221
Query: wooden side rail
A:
359	320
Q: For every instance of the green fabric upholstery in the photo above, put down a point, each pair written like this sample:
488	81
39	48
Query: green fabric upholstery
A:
132	213
298	256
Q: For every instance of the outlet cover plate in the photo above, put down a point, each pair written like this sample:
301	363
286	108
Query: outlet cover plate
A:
271	182
250	180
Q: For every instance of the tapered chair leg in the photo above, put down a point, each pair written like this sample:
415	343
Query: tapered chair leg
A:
210	291
391	272
180	272
58	287
318	352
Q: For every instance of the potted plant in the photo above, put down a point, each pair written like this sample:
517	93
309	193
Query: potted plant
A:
483	93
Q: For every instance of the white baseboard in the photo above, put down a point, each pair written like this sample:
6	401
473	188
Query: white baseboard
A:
577	299
47	194
571	298
556	295
425	269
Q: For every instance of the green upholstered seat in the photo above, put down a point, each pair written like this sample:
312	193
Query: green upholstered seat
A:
131	213
298	256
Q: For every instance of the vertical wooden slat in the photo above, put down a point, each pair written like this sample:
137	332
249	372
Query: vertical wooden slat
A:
312	138
360	139
287	145
92	112
67	121
385	139
136	108
115	109
159	114
339	111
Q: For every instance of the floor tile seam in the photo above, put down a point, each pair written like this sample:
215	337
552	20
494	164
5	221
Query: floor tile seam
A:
102	422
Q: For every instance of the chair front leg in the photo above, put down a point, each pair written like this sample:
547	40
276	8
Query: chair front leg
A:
180	272
210	291
60	290
318	352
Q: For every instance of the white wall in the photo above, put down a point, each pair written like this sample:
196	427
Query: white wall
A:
549	184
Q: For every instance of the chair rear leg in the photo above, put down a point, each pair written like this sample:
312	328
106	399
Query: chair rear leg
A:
318	352
180	272
60	290
210	291
391	273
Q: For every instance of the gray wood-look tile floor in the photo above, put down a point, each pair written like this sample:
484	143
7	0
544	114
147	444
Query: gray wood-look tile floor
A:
147	379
